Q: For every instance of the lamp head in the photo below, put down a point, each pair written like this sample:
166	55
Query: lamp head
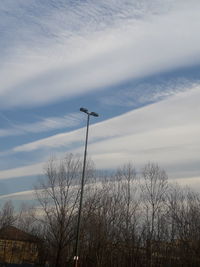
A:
84	110
94	114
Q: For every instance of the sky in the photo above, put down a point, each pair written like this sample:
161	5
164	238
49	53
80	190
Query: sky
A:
136	63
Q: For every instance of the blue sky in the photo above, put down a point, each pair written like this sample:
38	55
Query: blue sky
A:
136	63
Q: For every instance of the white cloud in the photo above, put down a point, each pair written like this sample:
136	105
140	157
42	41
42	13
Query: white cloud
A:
192	182
147	92
24	195
143	39
43	125
35	169
29	195
58	52
58	140
179	110
166	132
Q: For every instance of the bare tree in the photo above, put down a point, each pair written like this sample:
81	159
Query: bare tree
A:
58	195
128	189
26	219
7	215
154	186
185	215
125	221
111	220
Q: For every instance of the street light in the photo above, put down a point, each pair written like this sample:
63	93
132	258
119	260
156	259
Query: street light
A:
82	185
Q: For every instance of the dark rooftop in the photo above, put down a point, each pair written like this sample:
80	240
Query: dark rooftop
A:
13	233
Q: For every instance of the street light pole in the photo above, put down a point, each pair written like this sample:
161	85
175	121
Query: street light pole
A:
82	185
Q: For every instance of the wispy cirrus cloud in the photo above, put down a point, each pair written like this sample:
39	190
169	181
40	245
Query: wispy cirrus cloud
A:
173	112
94	45
143	93
74	53
29	195
33	169
43	125
166	132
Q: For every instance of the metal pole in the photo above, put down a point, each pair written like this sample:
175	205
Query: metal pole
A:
81	196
